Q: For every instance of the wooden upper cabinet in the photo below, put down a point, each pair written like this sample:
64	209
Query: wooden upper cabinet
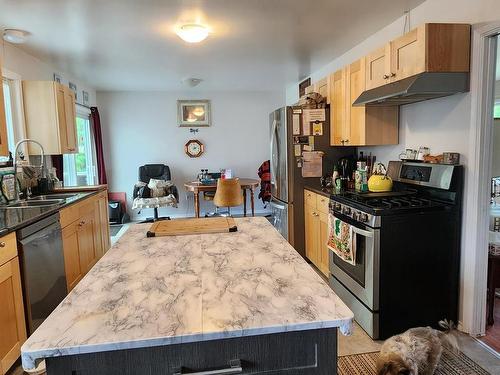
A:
408	55
355	116
50	115
339	130
378	67
431	47
4	145
358	126
69	143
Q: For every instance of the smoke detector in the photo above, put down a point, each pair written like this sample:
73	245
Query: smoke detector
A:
15	36
191	82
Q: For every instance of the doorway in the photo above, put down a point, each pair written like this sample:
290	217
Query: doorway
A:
492	333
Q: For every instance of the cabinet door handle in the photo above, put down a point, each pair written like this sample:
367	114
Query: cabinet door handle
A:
386	76
393	74
2	244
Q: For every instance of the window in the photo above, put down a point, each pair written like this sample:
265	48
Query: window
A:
496	109
79	169
7	94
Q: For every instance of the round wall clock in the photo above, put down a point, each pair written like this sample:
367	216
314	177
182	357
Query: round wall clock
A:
194	148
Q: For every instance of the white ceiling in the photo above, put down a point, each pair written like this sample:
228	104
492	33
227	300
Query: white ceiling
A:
254	44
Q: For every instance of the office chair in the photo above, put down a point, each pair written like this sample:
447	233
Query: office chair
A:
157	193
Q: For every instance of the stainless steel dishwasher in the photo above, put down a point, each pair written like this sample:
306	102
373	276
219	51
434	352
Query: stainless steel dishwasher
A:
42	269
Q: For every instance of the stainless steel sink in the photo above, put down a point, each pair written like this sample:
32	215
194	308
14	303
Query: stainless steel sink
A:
61	196
36	203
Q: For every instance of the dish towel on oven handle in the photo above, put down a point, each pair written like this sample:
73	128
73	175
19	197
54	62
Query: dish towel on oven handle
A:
341	240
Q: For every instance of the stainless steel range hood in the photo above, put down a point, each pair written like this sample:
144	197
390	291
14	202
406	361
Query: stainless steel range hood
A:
423	86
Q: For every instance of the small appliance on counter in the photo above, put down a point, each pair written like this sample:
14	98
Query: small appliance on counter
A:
407	249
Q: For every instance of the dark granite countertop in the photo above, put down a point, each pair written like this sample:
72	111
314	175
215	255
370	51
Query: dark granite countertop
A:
317	188
12	219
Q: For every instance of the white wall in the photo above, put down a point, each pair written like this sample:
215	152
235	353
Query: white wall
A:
442	124
31	68
141	127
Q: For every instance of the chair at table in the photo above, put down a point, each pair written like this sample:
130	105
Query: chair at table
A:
228	194
155	190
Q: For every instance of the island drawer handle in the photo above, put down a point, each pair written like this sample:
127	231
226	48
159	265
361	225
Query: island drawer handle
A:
2	244
235	368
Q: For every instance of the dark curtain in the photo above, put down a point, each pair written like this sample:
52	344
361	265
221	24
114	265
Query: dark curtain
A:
96	123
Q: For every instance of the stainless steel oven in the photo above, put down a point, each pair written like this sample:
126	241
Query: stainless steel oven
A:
362	279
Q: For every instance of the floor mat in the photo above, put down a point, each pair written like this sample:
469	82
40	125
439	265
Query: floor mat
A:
451	364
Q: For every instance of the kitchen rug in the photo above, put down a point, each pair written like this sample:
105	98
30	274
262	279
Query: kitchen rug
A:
451	364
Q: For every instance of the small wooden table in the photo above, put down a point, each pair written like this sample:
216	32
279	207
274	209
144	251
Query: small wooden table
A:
246	184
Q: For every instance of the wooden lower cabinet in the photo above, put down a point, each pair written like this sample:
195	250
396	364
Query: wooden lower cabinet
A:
316	230
85	236
71	250
323	240
12	321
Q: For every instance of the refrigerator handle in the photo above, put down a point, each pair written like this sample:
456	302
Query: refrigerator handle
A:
274	161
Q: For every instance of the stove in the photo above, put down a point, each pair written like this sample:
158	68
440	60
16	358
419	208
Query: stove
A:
407	245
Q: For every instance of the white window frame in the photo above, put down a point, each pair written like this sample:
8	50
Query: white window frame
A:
15	85
84	113
475	227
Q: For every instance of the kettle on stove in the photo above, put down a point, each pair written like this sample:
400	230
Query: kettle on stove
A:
379	181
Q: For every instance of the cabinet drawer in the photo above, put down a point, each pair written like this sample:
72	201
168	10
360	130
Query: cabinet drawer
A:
69	214
303	352
310	198
8	247
322	203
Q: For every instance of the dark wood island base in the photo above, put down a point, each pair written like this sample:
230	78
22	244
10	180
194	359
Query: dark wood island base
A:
296	352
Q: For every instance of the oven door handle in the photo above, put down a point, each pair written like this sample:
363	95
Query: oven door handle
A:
362	232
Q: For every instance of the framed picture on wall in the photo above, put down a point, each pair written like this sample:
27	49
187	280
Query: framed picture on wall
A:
193	113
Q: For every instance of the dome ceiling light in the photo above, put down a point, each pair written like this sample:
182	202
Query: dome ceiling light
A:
192	32
15	36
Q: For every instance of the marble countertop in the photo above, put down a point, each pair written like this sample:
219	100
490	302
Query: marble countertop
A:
166	290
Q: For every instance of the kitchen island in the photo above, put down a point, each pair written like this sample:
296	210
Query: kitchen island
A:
242	302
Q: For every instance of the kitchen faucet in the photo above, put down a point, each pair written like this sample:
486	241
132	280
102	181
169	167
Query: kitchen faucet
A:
16	192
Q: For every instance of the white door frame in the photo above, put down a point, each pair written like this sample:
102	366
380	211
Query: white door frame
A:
476	205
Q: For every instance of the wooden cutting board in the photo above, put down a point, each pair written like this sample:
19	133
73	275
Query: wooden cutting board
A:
179	227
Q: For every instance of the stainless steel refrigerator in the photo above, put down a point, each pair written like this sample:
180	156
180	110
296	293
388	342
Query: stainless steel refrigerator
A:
287	183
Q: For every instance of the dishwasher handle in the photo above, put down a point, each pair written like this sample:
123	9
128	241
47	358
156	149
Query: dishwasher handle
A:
235	367
44	232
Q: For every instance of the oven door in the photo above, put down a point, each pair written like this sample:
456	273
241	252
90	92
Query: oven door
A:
361	279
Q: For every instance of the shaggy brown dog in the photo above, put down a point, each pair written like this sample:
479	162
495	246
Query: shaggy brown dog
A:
416	351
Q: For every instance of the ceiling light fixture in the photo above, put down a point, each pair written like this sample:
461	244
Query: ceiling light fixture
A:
15	36
192	32
191	82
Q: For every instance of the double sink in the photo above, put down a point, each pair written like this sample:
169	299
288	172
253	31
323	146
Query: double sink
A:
42	201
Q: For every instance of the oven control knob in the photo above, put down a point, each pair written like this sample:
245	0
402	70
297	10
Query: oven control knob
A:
363	218
346	211
355	215
337	207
